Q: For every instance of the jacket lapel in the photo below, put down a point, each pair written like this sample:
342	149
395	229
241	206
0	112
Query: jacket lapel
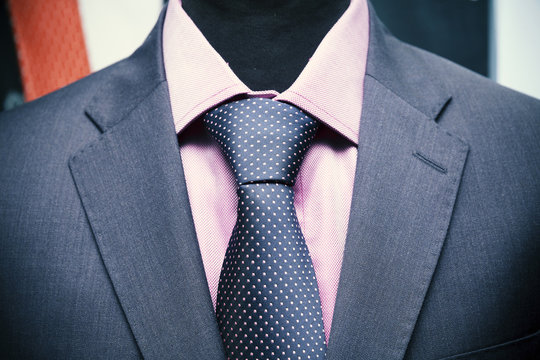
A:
407	177
132	187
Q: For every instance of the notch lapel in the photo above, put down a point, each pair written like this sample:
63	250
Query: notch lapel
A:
407	178
132	188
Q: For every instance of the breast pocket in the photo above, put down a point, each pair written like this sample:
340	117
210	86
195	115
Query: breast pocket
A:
524	348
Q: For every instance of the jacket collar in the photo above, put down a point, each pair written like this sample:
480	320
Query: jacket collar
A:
131	80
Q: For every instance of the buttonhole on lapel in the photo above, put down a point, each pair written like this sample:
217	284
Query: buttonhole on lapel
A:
430	162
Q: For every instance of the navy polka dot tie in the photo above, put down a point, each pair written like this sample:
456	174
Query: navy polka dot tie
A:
268	301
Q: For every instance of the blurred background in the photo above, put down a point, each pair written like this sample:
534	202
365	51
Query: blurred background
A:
46	44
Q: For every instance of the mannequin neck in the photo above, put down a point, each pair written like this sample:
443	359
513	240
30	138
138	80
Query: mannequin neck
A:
260	7
267	43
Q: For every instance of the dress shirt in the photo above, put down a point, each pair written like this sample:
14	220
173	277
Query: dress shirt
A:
330	88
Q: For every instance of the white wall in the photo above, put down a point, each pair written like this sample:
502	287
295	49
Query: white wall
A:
113	29
515	44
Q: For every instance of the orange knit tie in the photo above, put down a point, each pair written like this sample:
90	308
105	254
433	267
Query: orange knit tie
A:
50	44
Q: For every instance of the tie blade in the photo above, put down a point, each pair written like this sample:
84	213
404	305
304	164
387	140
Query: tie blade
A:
268	302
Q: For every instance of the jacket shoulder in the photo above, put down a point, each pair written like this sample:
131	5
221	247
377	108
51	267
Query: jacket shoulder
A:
479	92
478	109
37	138
50	116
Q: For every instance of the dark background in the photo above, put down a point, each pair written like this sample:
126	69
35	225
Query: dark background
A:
455	29
10	81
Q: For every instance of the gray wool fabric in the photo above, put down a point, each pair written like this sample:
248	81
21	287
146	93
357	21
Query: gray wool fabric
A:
99	256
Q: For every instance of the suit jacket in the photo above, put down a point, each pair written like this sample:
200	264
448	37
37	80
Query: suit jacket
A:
99	256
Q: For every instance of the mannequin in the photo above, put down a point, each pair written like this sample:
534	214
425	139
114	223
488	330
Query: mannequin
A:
267	43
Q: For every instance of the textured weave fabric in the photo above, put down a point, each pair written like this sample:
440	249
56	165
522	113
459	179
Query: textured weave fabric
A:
50	44
330	87
268	303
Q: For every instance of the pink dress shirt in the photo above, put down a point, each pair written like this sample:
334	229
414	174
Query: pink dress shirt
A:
330	88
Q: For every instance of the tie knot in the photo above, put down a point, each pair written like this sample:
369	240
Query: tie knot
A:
264	140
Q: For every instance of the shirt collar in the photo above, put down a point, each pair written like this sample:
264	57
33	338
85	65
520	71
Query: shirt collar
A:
330	87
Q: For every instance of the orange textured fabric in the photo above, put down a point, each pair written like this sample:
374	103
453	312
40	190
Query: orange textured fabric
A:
50	44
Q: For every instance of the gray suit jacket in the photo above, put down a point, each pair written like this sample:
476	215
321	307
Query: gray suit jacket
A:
99	257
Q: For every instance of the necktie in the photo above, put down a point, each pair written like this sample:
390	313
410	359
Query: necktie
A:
50	44
268	301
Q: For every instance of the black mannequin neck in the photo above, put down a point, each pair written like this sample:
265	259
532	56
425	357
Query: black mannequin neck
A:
267	43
